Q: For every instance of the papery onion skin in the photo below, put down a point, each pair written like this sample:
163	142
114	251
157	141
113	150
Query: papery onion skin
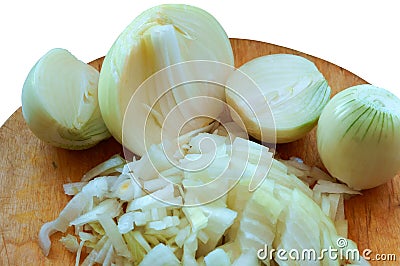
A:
358	136
295	90
135	56
59	102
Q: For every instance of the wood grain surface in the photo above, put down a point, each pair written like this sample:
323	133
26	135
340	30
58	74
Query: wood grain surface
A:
33	172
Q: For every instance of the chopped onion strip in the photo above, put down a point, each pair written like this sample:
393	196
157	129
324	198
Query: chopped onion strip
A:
134	247
155	184
126	222
44	236
114	161
160	255
124	190
78	253
99	245
73	209
72	189
189	250
87	237
182	235
90	259
217	257
140	239
114	235
70	242
318	174
324	186
70	212
101	255
334	203
340	210
196	218
96	188
109	256
110	206
154	200
202	236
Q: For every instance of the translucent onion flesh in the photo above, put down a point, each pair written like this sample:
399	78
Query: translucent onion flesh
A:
294	88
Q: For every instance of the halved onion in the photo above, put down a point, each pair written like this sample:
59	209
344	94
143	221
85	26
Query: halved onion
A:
293	87
59	102
160	37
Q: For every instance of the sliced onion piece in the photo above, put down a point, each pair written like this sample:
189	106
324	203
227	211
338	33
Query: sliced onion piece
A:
114	235
115	161
324	186
160	255
70	242
44	236
73	209
110	206
217	257
78	253
294	88
72	189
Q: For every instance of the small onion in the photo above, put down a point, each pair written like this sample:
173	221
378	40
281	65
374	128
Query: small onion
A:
359	136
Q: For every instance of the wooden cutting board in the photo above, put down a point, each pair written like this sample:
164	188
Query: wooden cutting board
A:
32	175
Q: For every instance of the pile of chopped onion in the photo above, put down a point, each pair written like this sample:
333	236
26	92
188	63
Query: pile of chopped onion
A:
151	212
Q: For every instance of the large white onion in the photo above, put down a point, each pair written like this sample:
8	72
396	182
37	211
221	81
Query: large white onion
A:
160	37
359	136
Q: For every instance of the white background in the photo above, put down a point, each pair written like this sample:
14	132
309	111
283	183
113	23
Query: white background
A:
360	36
